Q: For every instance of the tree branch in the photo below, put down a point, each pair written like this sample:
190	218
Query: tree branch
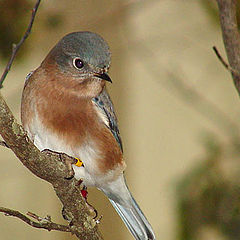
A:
224	63
231	37
16	47
47	166
44	223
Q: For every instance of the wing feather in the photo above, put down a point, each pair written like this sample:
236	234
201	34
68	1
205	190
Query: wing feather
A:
106	112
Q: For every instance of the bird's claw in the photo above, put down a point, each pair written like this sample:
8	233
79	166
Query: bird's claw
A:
68	160
84	193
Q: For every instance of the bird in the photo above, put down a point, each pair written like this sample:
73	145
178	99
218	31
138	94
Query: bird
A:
66	108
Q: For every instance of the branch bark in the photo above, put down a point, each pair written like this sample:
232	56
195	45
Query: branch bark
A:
44	223
47	166
231	36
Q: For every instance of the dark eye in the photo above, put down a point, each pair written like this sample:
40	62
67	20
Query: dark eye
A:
77	63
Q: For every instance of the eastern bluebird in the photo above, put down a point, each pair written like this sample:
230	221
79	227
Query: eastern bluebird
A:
66	108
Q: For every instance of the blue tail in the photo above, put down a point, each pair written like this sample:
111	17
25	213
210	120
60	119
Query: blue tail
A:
127	208
135	220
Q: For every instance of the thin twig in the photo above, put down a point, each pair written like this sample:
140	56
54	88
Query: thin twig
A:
227	66
38	218
44	223
17	46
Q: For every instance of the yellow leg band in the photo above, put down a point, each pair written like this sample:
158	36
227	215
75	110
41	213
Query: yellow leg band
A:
79	163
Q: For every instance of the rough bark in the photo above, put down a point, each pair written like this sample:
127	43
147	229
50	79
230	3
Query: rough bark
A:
231	36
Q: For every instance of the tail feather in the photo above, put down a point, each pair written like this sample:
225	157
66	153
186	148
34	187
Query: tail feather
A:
135	220
127	208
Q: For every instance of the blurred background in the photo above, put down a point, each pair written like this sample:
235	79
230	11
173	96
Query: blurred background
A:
177	107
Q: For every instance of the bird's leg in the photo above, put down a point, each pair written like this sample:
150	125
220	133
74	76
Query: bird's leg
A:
68	160
92	210
84	193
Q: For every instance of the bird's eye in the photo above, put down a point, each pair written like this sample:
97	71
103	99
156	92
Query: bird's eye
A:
77	63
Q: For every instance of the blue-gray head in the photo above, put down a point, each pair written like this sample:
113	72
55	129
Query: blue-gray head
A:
82	54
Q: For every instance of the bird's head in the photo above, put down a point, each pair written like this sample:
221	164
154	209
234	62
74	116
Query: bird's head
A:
81	58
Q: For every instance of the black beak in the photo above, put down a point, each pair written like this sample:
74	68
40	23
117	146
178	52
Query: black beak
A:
103	76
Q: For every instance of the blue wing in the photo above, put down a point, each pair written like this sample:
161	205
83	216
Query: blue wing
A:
106	111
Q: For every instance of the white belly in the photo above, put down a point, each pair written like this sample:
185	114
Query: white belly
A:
87	152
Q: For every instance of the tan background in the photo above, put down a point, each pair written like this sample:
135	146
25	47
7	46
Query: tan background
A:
162	133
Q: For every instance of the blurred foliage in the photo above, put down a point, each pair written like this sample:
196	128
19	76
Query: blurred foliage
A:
53	20
14	19
212	11
14	16
208	199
